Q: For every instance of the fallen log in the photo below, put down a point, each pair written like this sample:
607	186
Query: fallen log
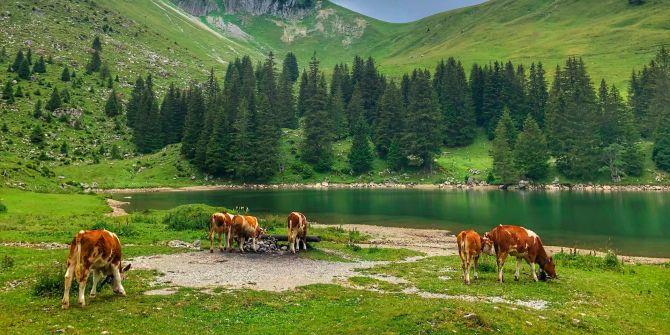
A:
284	238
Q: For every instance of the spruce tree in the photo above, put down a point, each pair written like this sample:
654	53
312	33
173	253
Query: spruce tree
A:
40	66
193	122
29	56
24	70
217	160
338	115
360	155
394	159
265	140
241	143
453	93
94	63
492	105
317	145
113	105
19	92
54	101
530	152
147	131
537	93
37	135
8	93
290	67
502	153
304	94
477	84
64	149
97	45
168	113
422	139
286	102
661	152
134	103
115	153
37	111
355	109
65	75
390	120
17	61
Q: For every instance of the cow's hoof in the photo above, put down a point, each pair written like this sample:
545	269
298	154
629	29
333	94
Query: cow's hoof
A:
82	304
211	251
516	278
92	296
66	305
221	249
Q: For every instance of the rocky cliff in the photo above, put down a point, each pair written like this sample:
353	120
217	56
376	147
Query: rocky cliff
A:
288	9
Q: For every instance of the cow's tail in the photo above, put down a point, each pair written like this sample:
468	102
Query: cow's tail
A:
462	246
78	262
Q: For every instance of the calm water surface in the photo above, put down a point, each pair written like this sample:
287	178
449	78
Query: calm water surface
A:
630	223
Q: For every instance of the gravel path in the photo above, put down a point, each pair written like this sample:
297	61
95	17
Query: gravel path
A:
256	271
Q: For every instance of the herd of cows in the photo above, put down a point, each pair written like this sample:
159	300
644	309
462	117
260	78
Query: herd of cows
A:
99	251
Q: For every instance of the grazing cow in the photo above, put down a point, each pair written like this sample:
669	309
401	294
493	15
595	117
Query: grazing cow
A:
242	228
98	251
524	244
219	224
470	246
297	231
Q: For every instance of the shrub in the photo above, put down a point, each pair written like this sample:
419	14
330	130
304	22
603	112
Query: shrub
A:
3	208
51	282
190	217
304	170
271	223
590	262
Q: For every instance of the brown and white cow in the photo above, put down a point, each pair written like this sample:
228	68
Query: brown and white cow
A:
98	251
219	224
242	228
524	244
470	247
297	231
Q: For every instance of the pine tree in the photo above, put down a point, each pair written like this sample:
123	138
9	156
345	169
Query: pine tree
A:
394	158
477	84
168	113
492	105
305	93
453	93
65	95
290	67
105	72
134	103
40	66
8	93
29	56
95	63
54	101
537	93
147	130
115	153
338	115
503	157
193	122
97	45
217	159
317	145
37	111
530	152
3	55
65	75
265	140
371	87
19	92
64	149
360	155
661	152
241	143
422	139
390	120
286	102
37	135
355	109
212	108
24	70
113	105
17	61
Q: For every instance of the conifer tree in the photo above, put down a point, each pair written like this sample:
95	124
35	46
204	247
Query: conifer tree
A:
40	66
290	67
113	105
64	149
193	122
24	70
37	135
212	108
509	128
453	93
147	130
530	152
115	153
29	56
502	153
54	101
355	109
537	93
37	111
135	100
241	143
305	93
94	63
97	45
17	61
317	145
661	152
360	155
65	75
19	92
65	95
338	114
422	138
394	159
8	93
265	140
492	105
168	116
477	84
390	120
3	55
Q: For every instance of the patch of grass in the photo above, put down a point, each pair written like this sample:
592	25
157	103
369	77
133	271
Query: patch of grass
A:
6	263
609	262
190	217
317	254
371	253
376	284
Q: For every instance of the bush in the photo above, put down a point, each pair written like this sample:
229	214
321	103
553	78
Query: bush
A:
190	217
271	223
3	208
304	170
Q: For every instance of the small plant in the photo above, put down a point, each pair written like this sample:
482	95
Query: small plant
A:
50	281
3	208
189	217
611	261
7	262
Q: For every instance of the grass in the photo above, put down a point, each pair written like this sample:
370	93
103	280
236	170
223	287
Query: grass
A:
601	294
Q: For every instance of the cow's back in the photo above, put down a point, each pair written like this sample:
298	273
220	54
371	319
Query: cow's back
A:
98	247
468	241
297	221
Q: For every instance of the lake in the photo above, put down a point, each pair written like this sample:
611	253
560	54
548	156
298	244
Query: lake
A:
631	223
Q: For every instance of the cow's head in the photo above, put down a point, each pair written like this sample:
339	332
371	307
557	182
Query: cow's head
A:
260	232
487	245
116	286
548	269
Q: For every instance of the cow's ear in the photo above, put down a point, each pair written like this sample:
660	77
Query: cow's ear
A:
126	268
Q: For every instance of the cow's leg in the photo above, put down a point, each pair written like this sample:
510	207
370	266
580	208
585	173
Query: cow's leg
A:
468	262
304	242
476	265
68	283
501	263
82	286
211	241
253	243
240	242
463	265
220	243
532	270
94	289
117	286
518	267
228	238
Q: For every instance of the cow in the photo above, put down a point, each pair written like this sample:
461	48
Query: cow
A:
297	231
98	251
242	228
524	244
219	224
470	247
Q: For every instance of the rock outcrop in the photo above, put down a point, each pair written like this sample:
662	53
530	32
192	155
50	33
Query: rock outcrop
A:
287	9
197	7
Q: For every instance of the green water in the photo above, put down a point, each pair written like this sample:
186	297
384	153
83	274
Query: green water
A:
630	223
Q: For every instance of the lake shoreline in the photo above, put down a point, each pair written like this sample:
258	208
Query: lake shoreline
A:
397	186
